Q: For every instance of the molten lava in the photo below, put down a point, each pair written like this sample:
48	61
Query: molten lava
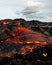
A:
24	41
5	23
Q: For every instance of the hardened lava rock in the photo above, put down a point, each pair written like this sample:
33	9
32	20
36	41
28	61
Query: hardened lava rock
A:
22	45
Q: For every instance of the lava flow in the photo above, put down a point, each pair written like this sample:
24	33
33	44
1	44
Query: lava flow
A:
22	41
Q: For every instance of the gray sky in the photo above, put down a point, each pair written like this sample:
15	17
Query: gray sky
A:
27	9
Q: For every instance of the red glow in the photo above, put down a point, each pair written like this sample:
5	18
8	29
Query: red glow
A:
28	50
17	37
26	36
14	34
5	23
10	55
8	40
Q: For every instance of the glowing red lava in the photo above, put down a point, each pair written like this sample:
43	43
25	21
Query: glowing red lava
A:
23	35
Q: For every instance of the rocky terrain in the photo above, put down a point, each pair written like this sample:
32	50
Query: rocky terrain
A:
25	42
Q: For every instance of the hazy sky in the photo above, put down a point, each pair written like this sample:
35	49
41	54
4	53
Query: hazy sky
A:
27	9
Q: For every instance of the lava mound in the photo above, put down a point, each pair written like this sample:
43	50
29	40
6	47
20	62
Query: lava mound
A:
22	41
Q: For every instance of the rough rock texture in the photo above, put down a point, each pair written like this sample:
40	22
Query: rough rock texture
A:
23	46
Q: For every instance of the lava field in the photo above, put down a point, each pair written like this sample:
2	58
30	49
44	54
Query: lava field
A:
20	45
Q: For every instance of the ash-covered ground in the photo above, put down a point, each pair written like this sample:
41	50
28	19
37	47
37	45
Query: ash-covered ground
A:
25	42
